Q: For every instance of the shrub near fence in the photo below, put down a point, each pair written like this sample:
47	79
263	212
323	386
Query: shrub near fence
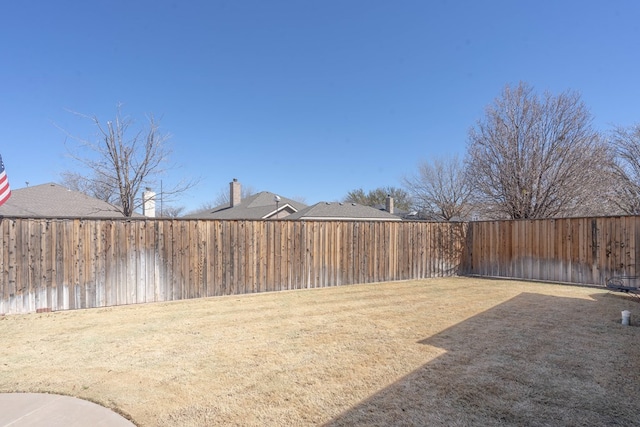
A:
61	264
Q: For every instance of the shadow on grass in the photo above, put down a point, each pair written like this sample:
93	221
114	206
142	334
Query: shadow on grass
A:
534	360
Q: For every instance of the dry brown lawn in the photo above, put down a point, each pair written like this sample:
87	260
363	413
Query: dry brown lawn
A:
440	352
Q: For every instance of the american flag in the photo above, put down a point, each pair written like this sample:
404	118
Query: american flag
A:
5	190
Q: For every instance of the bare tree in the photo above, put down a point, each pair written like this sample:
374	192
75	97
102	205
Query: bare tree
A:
441	189
534	157
378	197
121	161
626	194
91	187
171	211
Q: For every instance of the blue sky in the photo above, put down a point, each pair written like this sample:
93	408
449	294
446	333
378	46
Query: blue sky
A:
306	99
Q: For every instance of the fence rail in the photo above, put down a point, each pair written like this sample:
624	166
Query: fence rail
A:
61	264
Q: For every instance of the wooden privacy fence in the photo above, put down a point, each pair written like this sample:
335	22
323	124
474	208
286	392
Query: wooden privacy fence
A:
60	264
572	250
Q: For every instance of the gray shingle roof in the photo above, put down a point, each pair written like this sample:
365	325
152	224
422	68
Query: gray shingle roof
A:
258	206
53	200
342	211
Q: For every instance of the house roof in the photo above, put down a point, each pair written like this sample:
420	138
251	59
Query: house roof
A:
53	200
342	211
258	206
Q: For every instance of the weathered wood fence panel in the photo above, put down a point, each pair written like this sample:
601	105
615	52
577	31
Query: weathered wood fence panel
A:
62	264
572	250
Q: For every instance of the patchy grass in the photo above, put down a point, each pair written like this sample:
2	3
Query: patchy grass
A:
440	352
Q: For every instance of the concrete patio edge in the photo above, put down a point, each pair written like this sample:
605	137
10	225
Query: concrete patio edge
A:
54	410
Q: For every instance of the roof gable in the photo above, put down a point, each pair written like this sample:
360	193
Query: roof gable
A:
257	206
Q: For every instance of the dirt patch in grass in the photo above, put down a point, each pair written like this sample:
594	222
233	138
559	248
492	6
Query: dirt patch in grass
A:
455	351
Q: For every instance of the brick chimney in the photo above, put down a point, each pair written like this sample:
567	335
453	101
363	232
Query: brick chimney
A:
149	203
235	190
389	204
